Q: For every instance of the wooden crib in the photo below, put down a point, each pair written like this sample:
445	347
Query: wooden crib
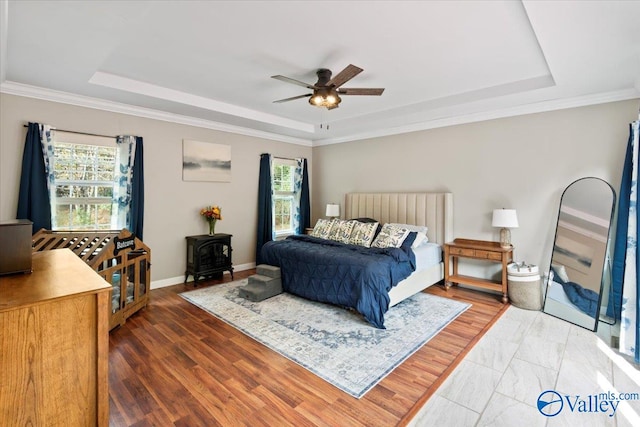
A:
118	256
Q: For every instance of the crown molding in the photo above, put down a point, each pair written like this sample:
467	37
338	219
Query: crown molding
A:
29	91
537	107
19	89
585	216
583	231
138	87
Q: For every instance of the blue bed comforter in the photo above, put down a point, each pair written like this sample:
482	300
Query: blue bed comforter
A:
346	275
584	299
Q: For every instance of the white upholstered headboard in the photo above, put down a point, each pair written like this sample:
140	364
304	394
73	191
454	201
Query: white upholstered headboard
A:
435	210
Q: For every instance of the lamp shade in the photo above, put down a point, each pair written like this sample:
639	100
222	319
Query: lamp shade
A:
505	218
333	210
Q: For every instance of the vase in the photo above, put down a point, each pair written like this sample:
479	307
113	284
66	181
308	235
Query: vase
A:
212	227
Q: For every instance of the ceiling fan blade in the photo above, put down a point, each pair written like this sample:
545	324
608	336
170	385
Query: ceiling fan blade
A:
292	98
344	76
293	81
360	91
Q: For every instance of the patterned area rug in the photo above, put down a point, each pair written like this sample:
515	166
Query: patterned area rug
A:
336	344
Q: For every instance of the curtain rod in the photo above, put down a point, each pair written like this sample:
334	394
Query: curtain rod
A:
284	158
80	133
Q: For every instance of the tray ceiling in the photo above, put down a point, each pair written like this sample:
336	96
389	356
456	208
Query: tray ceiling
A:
209	63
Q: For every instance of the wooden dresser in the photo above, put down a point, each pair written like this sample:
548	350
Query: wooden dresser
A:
54	344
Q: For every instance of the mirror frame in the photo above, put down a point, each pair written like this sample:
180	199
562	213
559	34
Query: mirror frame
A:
596	320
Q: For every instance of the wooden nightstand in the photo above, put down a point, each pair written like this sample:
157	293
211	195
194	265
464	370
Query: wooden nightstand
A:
477	249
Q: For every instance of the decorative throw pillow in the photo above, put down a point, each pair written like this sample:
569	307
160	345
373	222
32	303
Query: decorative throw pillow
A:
341	230
411	227
363	233
365	219
391	236
421	238
322	228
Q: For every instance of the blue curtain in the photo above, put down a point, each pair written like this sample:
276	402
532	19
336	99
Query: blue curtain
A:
622	223
128	195
137	191
33	199
265	226
305	205
626	263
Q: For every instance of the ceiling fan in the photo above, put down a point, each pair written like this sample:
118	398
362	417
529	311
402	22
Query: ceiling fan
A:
327	90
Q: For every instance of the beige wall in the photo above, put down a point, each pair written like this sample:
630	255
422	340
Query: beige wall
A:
171	205
520	162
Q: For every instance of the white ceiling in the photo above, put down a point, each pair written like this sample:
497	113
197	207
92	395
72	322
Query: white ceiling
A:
208	63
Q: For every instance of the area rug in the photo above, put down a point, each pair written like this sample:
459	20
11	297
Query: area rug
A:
335	344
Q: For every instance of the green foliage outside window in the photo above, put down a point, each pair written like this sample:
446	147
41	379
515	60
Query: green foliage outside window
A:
282	177
282	181
84	182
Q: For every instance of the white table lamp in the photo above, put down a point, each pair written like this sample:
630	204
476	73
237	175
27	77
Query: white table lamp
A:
505	219
333	210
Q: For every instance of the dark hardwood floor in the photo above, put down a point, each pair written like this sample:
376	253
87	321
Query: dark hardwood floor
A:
174	364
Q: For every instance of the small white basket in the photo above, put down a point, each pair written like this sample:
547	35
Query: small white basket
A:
524	285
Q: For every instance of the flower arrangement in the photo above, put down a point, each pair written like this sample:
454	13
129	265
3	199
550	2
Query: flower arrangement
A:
211	214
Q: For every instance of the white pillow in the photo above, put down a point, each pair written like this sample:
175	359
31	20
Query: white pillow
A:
562	272
421	238
391	236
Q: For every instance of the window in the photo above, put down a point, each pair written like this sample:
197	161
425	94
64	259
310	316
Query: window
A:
84	169
283	195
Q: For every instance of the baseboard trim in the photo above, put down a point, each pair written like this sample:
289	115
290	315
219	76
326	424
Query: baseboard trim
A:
163	283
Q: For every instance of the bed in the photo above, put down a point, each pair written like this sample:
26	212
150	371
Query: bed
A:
370	287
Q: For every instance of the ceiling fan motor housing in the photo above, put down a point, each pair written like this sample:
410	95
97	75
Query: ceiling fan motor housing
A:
324	75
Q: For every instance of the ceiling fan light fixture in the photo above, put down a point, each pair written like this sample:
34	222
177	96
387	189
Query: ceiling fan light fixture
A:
325	98
316	100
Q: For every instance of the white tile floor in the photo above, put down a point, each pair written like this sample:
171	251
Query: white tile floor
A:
522	355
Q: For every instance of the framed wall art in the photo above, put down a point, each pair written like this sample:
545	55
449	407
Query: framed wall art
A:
205	161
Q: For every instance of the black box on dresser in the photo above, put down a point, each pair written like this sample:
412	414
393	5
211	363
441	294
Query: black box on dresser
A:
15	246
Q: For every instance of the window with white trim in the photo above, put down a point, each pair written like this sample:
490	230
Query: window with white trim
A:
84	168
282	183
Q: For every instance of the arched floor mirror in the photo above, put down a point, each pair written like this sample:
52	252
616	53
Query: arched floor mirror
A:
580	248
